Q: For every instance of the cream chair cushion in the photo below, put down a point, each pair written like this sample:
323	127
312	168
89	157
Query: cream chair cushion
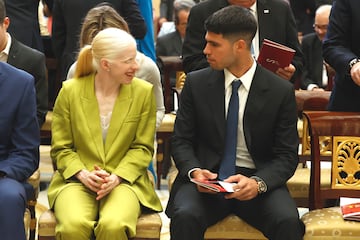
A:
328	224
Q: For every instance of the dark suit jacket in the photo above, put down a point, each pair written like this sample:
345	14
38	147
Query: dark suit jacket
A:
24	22
32	62
311	47
270	122
67	19
169	44
341	45
277	25
19	130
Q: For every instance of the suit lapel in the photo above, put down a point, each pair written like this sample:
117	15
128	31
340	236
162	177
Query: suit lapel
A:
217	101
255	102
90	109
262	12
120	111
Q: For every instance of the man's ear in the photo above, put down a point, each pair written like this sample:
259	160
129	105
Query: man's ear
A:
240	45
6	23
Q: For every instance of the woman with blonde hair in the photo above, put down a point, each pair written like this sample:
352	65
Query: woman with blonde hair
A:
102	143
104	16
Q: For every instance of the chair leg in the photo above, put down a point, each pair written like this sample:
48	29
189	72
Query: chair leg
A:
31	206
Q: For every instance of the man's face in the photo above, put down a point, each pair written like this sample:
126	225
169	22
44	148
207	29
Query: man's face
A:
181	25
320	25
219	51
242	3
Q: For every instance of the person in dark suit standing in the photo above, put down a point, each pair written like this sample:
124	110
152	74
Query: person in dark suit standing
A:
23	57
171	43
265	155
341	49
19	147
68	16
275	22
315	76
25	22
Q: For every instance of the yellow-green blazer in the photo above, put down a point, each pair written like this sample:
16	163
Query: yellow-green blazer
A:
77	137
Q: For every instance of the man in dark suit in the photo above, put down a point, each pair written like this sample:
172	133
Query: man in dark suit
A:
170	44
341	49
265	155
25	22
27	59
68	16
315	76
275	22
19	147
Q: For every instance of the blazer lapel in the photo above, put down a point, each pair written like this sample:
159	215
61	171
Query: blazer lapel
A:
119	114
262	12
90	109
255	102
217	101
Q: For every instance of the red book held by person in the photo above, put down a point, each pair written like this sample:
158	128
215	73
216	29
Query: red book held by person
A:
350	208
274	55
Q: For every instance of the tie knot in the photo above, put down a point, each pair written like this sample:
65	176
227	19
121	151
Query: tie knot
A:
235	85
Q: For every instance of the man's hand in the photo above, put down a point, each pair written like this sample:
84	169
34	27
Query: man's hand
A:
355	73
203	174
286	72
245	188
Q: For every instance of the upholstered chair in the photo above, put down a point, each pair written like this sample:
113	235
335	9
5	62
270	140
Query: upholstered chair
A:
344	130
32	191
299	183
148	226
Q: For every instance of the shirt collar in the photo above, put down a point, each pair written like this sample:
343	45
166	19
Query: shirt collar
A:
246	79
8	44
253	7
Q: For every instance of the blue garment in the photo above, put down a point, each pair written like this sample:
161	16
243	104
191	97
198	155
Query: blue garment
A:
227	167
147	44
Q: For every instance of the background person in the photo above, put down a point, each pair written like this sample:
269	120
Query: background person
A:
275	22
315	75
341	50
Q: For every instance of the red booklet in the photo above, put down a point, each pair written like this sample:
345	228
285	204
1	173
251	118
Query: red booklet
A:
350	208
274	55
215	185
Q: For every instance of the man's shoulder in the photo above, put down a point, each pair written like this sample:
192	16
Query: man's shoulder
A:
310	37
13	74
22	49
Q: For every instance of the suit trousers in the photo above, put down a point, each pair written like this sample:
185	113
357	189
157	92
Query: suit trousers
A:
273	213
79	214
12	208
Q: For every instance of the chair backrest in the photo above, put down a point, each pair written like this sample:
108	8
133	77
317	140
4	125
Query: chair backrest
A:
344	130
169	64
311	101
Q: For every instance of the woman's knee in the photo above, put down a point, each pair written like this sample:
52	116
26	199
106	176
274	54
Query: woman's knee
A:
68	228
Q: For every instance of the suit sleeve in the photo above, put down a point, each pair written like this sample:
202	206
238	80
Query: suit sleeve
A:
23	158
337	46
131	13
58	29
41	85
194	42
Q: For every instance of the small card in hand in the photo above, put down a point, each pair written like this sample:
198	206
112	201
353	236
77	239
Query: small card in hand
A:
215	185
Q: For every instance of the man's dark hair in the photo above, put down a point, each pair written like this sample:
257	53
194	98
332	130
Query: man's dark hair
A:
2	11
233	22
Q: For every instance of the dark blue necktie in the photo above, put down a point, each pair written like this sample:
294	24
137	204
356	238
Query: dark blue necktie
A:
227	167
